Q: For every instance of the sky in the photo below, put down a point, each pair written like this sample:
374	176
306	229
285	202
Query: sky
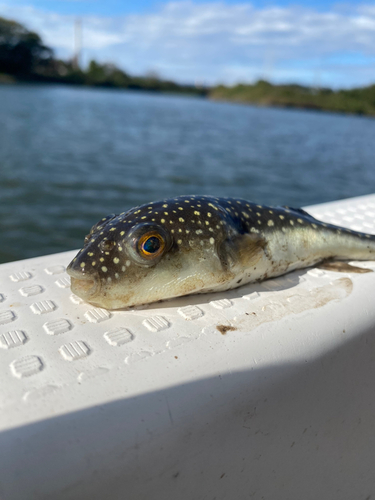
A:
313	42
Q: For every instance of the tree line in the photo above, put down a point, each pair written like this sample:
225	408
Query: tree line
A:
24	57
354	101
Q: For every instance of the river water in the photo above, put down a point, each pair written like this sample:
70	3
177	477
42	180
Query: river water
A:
70	155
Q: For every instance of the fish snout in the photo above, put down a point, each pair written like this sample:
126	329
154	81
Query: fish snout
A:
84	284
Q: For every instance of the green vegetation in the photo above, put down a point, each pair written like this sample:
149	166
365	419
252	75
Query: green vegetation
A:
23	57
21	51
262	93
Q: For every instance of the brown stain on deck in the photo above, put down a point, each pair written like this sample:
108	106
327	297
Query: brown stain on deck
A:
287	303
223	329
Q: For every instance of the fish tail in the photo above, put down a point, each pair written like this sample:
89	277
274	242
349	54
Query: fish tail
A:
354	245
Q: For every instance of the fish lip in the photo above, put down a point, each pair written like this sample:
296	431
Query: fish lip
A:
83	285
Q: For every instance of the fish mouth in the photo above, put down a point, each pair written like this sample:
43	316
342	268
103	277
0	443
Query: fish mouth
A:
85	286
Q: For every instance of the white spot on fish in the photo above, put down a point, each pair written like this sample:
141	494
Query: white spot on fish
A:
104	269
270	223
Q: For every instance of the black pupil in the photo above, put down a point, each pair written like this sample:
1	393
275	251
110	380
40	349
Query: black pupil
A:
152	244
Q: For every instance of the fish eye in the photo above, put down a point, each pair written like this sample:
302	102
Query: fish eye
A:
146	243
151	245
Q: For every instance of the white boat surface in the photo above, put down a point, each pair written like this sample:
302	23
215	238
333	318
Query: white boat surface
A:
262	392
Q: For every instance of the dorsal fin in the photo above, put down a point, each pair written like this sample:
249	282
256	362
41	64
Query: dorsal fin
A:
300	211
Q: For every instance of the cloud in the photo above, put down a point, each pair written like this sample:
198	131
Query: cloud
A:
221	42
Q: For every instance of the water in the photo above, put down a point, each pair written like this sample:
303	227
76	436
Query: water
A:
69	156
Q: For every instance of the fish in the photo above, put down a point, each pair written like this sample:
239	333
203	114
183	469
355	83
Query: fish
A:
199	244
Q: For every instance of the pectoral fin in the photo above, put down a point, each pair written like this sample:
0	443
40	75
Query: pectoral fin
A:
244	250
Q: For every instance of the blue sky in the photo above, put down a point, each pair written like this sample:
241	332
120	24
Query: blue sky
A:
119	7
317	42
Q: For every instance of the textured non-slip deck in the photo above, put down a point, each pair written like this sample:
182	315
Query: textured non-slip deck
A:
265	391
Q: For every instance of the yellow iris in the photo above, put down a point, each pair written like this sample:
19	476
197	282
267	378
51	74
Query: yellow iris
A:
151	245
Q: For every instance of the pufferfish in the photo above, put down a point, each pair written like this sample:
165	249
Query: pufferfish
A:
200	244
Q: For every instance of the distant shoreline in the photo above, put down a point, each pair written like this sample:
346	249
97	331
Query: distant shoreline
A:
360	101
244	94
291	106
140	83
